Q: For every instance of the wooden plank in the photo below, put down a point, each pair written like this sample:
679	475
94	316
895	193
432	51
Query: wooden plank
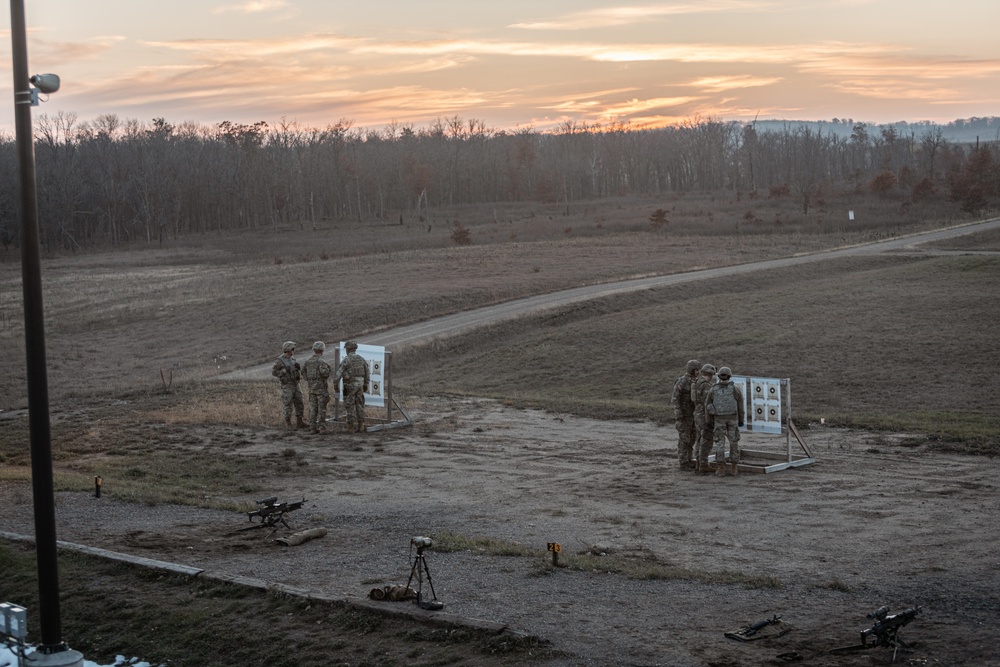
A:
802	443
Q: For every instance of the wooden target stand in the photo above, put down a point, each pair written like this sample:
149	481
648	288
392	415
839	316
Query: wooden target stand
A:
768	409
373	422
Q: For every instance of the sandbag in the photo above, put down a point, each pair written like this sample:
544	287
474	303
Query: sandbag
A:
298	538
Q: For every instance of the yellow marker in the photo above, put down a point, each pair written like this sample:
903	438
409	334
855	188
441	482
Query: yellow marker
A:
555	548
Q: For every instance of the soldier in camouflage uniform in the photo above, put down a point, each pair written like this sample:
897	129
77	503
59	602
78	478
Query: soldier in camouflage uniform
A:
684	414
317	373
356	375
703	424
288	372
725	402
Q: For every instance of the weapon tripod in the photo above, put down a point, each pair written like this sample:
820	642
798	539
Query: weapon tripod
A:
271	515
418	570
884	632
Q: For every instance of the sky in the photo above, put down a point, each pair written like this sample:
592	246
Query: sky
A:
512	64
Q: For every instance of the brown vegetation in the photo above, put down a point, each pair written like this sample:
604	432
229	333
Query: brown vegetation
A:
898	342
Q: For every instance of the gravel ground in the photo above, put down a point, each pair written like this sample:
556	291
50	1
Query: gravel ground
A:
854	531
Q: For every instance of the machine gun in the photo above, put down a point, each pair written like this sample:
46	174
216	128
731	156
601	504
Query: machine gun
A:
884	631
271	514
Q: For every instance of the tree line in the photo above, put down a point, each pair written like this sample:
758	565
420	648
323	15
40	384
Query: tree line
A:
113	181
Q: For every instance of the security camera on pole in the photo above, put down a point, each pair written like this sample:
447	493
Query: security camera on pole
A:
52	651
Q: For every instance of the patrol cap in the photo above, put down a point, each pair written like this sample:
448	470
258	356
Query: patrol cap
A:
725	373
288	346
351	345
319	346
708	368
693	365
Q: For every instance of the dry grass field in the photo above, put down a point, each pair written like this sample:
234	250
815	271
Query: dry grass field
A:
895	342
900	348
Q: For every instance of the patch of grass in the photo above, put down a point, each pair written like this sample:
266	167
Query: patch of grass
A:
187	622
188	478
446	541
642	566
959	432
913	310
648	567
836	585
251	404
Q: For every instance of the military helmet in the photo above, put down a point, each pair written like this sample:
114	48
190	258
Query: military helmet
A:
288	346
725	373
319	346
709	369
693	365
351	346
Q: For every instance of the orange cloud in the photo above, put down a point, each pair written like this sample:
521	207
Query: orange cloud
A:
718	84
616	16
252	7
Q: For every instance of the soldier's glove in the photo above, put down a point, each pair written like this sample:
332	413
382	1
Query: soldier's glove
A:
365	389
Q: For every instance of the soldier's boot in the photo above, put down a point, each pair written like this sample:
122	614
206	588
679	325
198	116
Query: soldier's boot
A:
315	428
288	423
720	468
300	423
361	426
350	427
736	468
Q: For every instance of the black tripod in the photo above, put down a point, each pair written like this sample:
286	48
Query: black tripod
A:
419	569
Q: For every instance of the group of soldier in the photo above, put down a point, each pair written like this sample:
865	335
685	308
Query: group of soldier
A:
353	370
708	411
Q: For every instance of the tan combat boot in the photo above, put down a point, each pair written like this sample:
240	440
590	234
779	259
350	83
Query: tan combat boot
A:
300	423
736	468
315	428
720	468
361	426
350	427
288	424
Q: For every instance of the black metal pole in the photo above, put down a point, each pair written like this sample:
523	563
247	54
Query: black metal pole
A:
34	339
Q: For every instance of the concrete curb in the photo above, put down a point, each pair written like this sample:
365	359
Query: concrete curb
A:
392	609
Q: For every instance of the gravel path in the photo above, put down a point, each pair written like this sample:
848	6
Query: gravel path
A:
856	530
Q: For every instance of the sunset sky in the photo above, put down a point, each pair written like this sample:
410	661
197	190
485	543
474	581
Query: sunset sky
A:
513	64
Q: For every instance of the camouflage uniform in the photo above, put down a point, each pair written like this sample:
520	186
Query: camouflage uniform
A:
356	375
287	370
317	373
725	402
703	424
684	414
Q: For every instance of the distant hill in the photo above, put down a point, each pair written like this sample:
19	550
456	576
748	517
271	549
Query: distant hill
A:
963	130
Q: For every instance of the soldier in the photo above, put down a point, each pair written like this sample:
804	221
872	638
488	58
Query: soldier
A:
317	373
354	371
725	402
288	371
684	414
703	425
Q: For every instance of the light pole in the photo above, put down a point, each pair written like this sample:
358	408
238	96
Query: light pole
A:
52	651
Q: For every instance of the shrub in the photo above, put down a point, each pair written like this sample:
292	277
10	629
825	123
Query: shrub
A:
779	191
883	183
461	235
925	189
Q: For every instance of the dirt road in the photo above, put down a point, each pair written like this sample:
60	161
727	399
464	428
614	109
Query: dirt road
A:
871	523
456	323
